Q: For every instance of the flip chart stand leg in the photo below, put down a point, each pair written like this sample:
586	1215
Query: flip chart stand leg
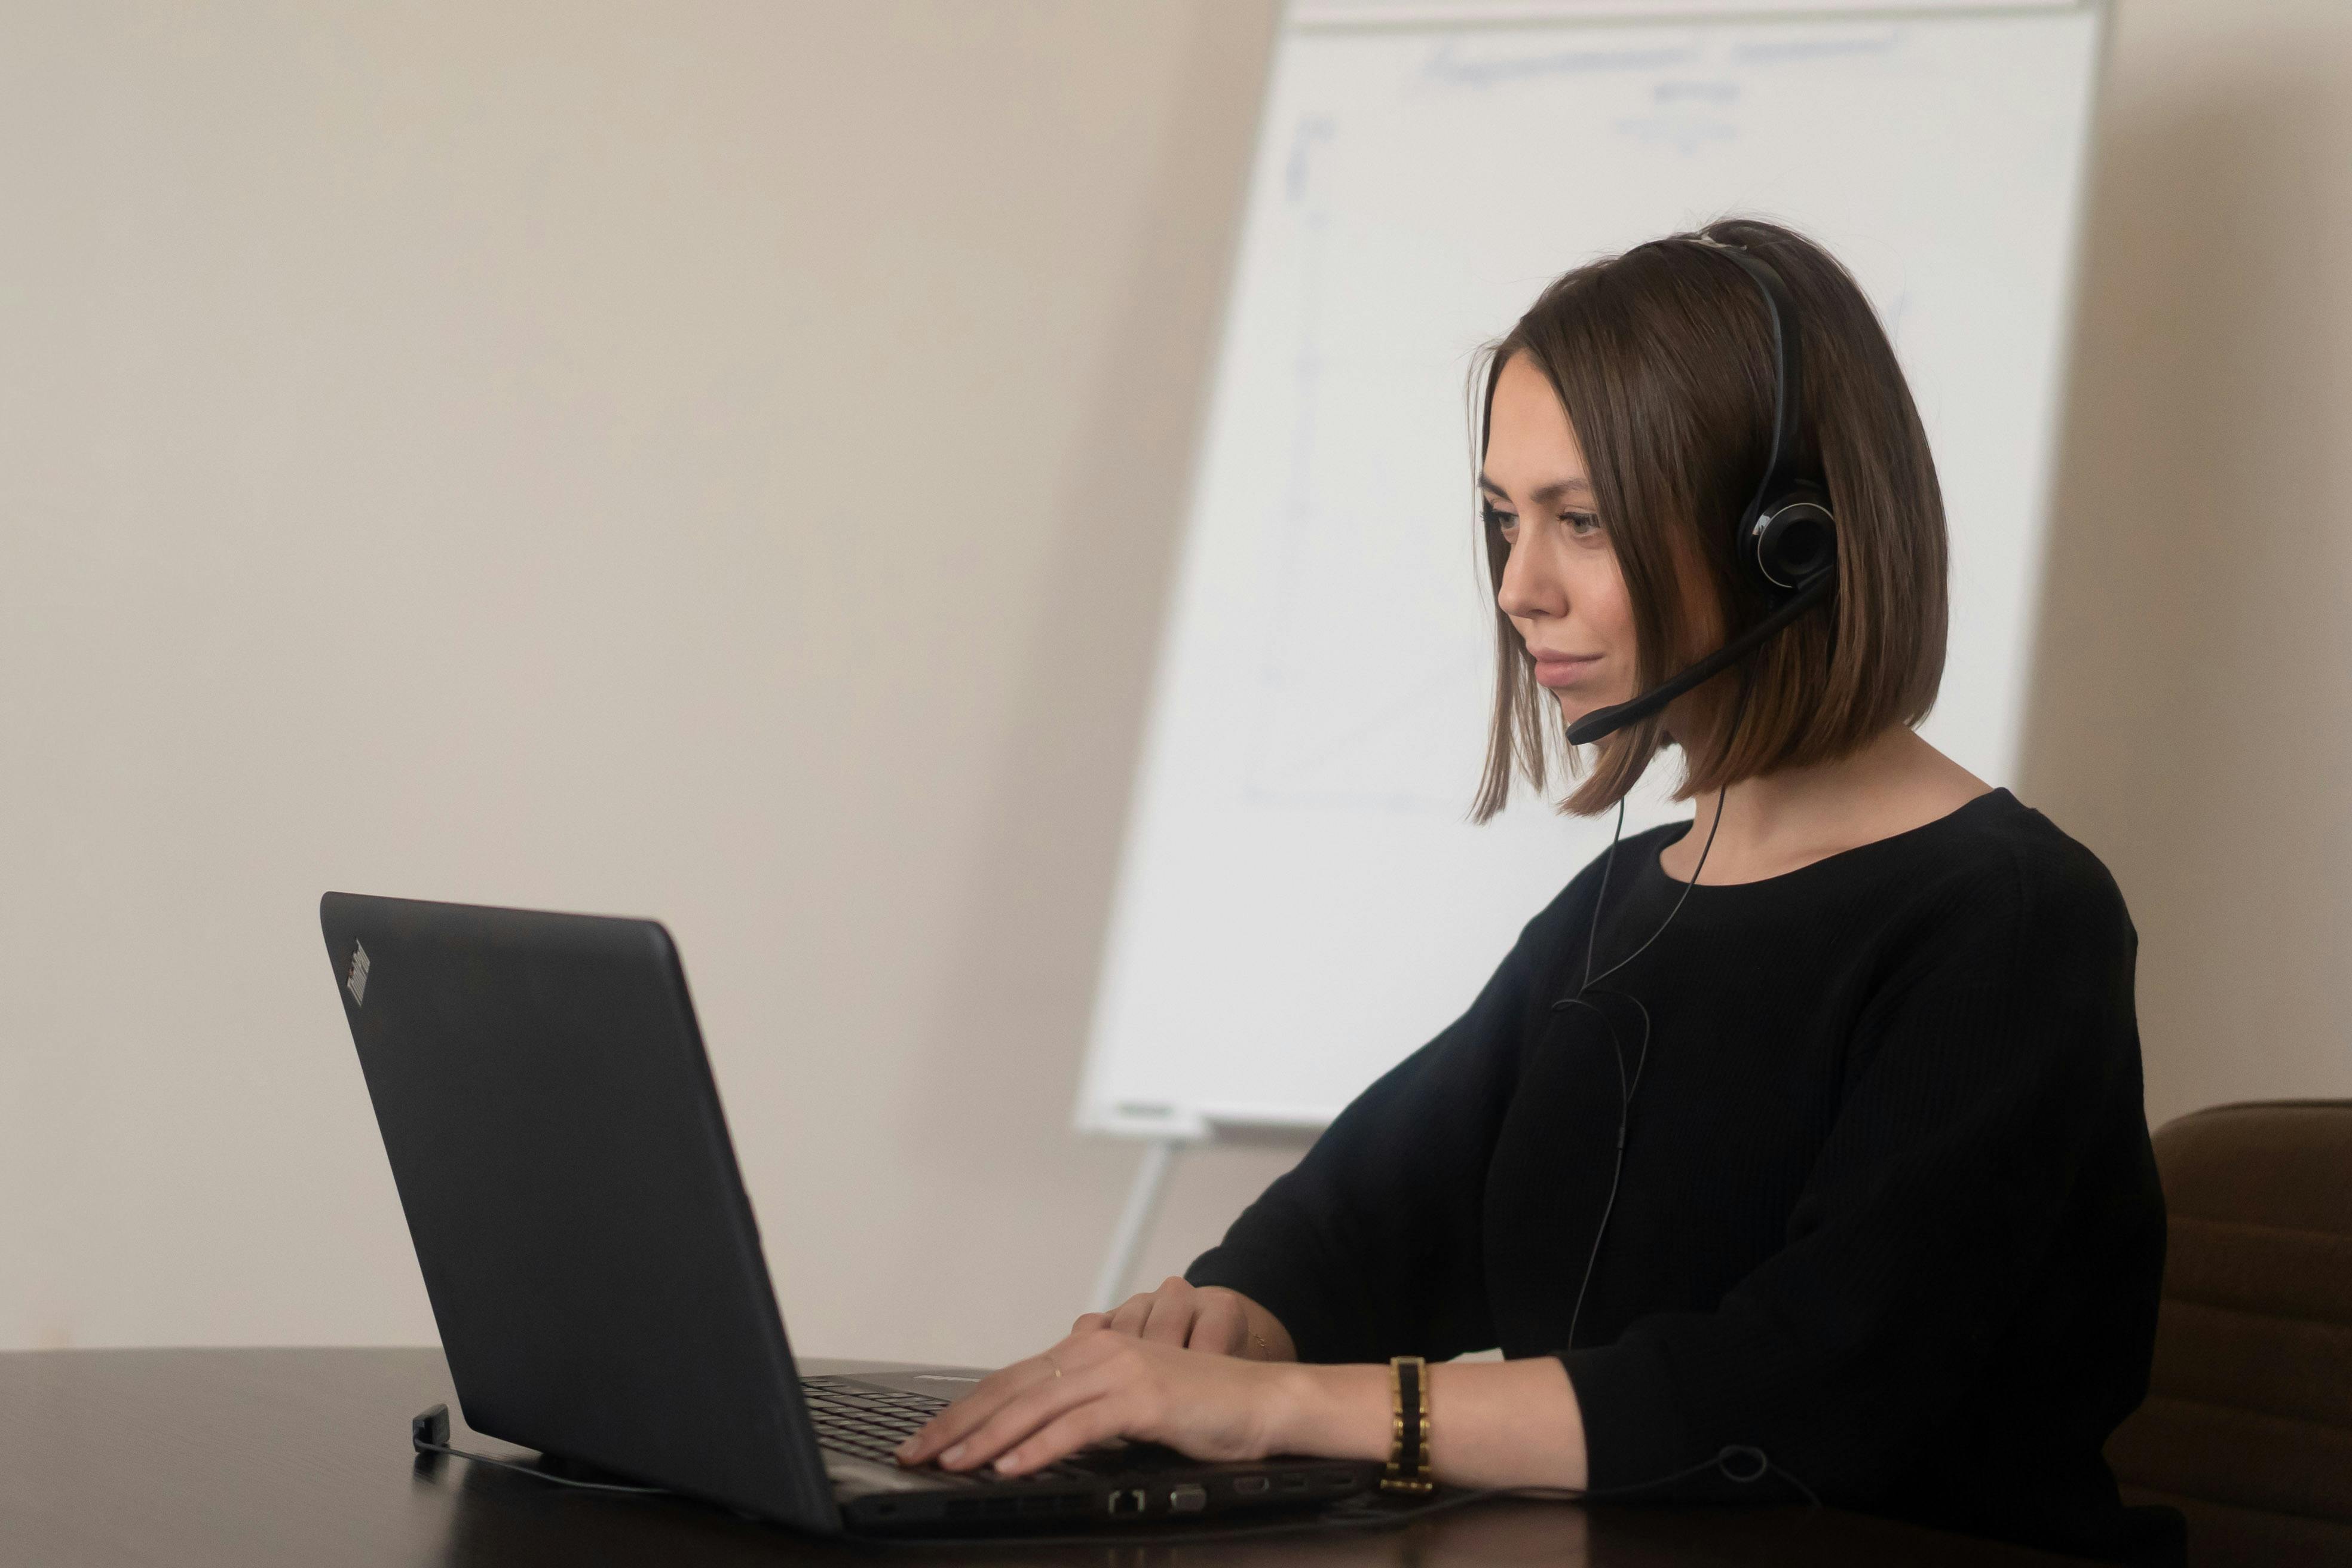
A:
1134	1223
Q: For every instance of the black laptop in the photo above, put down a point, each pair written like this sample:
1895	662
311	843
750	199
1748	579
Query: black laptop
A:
594	1270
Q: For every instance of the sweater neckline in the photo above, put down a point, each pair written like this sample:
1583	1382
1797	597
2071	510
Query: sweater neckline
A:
1655	872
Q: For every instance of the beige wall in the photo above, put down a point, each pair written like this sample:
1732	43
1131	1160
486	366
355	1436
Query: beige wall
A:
2192	721
722	461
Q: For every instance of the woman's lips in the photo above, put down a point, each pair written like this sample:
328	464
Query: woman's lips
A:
1555	670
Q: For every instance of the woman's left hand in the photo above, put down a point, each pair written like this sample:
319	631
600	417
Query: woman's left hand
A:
1100	1383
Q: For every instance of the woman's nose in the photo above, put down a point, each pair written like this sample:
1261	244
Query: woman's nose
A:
1525	589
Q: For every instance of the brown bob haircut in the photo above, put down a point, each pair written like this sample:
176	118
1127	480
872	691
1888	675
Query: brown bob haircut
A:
1663	361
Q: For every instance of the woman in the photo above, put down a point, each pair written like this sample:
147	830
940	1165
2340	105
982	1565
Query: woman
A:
1809	1132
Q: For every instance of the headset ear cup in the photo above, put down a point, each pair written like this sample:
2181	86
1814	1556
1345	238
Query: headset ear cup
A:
1792	539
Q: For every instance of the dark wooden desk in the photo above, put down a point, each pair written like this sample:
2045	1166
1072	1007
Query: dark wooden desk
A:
259	1458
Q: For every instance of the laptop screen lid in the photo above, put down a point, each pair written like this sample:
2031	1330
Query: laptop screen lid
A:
556	1138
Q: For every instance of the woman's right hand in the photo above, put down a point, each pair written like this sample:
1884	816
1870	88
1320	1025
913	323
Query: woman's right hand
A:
1202	1318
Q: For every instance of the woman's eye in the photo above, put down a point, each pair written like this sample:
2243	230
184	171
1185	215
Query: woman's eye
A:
1581	524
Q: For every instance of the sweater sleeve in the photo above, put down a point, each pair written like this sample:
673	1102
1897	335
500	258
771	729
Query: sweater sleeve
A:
1371	1245
1995	1056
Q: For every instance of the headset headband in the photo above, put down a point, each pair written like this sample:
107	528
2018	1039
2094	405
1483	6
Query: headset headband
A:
1787	378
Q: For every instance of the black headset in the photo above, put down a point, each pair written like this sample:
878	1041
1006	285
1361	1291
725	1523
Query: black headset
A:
1785	542
1787	536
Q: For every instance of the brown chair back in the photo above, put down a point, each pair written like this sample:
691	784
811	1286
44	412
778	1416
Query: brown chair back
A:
2247	1429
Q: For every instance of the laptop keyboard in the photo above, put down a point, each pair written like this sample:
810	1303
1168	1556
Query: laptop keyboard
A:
870	1421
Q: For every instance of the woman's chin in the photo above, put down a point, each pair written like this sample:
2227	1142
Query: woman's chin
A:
1574	704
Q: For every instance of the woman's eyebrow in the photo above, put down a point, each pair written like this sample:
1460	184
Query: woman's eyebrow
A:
1556	491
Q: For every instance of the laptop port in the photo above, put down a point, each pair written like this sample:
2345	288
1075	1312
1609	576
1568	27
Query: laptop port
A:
1250	1486
1130	1502
1294	1483
1188	1498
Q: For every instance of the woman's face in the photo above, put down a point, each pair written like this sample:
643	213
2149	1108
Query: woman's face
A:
1561	587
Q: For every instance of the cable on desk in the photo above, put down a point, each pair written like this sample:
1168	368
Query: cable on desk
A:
428	1433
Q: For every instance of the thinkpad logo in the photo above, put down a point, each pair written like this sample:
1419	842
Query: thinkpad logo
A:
357	984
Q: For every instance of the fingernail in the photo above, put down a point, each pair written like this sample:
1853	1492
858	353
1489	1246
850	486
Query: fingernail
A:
952	1455
1005	1466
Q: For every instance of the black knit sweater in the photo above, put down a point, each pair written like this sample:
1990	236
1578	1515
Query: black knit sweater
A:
1887	1209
